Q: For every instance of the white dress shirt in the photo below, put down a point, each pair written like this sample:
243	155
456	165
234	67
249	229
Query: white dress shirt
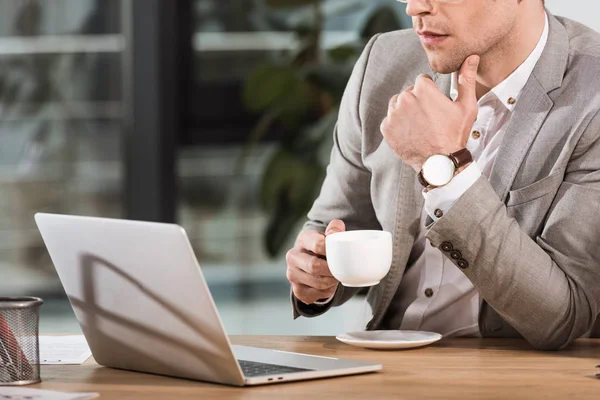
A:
434	295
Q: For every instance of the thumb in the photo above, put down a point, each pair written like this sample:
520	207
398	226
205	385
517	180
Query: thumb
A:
335	226
467	80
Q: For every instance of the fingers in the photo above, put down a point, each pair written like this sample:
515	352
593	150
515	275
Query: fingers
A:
393	103
312	241
423	85
308	273
309	263
309	295
400	100
298	276
467	81
424	77
309	276
335	226
396	99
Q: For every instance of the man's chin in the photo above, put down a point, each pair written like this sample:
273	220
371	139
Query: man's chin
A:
442	66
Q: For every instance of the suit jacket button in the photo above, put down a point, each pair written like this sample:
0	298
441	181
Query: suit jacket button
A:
463	264
455	255
447	247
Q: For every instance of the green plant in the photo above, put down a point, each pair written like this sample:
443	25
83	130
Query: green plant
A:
299	94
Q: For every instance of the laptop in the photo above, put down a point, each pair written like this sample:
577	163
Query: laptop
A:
143	304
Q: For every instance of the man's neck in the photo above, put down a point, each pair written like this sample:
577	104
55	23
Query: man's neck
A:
499	63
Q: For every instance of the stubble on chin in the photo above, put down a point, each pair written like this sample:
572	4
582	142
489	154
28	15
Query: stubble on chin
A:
444	64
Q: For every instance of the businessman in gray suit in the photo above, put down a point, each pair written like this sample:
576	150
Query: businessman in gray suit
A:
474	140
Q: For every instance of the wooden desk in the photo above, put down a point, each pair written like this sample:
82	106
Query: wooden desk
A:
450	369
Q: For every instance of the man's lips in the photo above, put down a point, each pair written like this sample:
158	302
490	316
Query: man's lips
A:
429	37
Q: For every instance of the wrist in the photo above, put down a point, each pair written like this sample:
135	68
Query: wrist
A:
462	168
438	170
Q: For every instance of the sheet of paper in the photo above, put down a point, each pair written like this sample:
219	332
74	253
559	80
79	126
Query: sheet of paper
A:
63	350
14	393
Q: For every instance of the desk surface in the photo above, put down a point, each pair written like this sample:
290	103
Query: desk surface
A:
450	369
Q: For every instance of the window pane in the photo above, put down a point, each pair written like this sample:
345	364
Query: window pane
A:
221	210
232	37
60	126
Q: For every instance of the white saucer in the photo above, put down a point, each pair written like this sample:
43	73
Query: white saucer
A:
389	339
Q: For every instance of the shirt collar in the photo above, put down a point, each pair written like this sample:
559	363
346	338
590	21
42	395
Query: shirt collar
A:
508	90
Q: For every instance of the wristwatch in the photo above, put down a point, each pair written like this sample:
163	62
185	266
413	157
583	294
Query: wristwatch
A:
438	170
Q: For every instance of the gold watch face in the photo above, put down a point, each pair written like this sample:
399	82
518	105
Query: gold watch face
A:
438	170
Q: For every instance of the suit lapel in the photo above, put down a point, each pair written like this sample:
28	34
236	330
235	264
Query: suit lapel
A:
526	121
523	127
408	215
531	110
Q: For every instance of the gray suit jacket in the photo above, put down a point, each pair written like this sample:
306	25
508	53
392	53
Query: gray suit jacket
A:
530	235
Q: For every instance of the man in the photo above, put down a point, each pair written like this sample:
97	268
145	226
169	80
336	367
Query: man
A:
509	246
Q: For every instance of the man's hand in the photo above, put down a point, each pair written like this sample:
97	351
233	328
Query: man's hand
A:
307	268
422	121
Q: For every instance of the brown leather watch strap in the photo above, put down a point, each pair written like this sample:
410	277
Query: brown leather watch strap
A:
461	158
422	180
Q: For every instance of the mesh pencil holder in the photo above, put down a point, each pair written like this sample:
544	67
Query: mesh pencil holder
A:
19	340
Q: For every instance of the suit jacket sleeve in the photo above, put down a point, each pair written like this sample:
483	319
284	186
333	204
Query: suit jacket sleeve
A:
345	193
546	287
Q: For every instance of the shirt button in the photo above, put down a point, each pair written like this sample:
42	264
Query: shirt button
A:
463	264
476	134
438	213
511	100
428	292
455	255
447	246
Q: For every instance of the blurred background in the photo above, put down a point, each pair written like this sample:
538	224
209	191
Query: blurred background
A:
215	114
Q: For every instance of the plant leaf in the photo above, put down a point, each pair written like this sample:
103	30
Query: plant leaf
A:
277	175
290	206
289	186
303	189
315	141
297	103
344	53
329	77
265	123
288	172
266	85
282	221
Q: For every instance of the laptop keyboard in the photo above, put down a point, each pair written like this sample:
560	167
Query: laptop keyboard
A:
253	369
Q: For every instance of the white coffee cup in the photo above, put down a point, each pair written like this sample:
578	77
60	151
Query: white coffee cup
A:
359	258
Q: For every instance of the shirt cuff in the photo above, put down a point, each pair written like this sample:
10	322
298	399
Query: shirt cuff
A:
324	302
439	200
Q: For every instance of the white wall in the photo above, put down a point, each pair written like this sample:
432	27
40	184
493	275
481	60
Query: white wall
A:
584	11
